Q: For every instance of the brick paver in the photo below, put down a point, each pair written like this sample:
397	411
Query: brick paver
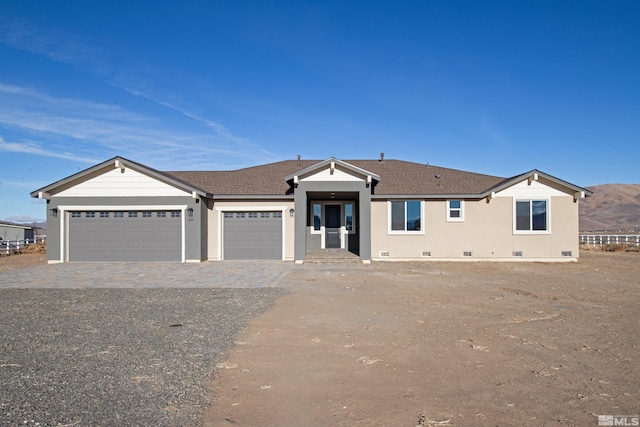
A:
212	274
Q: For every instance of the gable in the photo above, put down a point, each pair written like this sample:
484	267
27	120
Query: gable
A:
121	182
328	175
540	188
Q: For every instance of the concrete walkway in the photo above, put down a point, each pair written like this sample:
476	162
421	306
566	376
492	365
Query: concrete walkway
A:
212	274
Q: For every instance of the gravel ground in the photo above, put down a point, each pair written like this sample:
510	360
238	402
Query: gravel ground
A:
116	357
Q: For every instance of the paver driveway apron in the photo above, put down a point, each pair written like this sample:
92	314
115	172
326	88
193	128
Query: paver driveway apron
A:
212	274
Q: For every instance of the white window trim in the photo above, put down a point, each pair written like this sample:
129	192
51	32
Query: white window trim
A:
532	199
64	221
449	218
405	232
223	209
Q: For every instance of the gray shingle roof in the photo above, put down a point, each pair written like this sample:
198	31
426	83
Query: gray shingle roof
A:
397	178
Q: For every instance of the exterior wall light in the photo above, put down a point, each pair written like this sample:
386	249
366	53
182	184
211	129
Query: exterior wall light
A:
190	212
291	212
54	212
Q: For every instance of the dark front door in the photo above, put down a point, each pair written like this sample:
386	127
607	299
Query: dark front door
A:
332	226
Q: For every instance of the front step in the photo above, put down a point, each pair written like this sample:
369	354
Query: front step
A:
331	256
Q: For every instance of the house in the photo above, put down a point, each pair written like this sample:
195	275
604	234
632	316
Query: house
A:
120	210
13	231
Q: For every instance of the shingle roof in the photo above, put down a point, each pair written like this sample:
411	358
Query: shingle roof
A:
397	178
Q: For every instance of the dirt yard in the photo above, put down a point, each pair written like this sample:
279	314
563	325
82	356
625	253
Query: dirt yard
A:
35	254
441	344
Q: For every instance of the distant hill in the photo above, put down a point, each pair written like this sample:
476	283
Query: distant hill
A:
613	207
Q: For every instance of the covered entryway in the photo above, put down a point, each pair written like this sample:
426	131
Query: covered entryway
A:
252	235
125	236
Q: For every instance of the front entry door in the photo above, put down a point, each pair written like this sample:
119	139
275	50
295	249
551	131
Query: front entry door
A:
332	226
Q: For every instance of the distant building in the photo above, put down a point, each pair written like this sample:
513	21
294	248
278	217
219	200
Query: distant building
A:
13	231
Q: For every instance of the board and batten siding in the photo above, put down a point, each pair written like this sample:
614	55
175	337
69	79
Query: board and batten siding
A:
535	190
121	183
327	175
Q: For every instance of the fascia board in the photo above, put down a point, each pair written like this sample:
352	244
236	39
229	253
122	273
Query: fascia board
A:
251	197
130	164
322	164
521	177
428	196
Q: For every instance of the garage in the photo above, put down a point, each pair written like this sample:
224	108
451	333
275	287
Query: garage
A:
252	235
125	236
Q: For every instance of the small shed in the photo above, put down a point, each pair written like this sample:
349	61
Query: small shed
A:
13	231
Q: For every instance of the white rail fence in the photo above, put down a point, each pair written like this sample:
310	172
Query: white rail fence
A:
610	239
7	247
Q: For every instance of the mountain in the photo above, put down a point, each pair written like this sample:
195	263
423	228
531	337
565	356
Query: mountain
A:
613	207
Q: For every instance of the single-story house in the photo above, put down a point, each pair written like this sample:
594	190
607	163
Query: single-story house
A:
13	231
121	210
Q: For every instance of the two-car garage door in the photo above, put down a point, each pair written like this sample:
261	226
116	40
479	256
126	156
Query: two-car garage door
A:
125	236
252	235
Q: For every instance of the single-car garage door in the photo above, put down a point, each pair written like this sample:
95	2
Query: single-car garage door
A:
125	236
252	235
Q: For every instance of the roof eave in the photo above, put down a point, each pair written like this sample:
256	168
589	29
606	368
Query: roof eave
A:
329	161
535	173
122	163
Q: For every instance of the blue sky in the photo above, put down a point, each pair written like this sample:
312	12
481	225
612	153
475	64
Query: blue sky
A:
486	86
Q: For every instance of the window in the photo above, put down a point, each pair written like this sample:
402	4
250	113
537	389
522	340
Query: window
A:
104	214
277	214
89	214
240	215
161	214
264	214
317	216
228	214
175	214
406	216
531	215
76	214
253	214
348	216
146	214
455	210
118	214
133	214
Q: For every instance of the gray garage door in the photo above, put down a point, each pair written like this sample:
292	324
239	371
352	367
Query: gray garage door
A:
252	235
125	236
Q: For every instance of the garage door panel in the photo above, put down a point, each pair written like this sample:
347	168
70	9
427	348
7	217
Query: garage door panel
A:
251	235
124	238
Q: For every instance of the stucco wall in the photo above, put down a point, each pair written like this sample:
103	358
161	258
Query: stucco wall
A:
487	231
219	206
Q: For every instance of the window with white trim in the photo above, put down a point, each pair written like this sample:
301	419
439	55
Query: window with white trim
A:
532	216
455	210
405	216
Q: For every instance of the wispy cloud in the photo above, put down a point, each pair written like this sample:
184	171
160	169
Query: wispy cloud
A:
94	129
33	148
87	131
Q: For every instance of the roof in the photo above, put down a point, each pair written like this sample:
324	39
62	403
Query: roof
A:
14	225
396	177
389	178
122	162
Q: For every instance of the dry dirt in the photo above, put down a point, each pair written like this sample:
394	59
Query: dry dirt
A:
30	256
453	344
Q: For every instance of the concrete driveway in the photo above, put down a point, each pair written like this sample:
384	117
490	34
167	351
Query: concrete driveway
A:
211	274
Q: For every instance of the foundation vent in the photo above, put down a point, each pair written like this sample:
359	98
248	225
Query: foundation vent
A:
567	253
426	253
384	253
467	253
517	253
